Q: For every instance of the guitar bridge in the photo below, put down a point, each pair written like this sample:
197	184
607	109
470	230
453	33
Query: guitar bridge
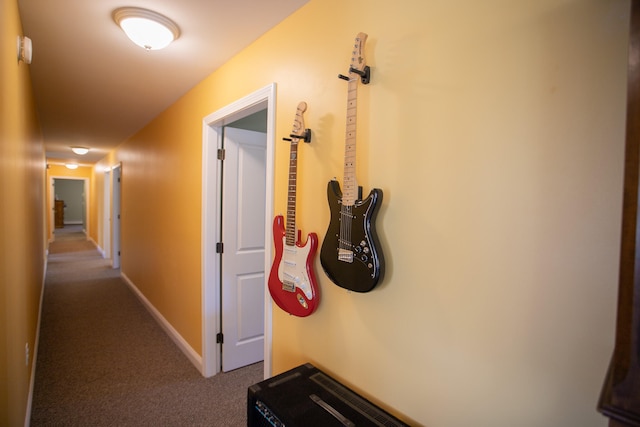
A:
345	255
288	286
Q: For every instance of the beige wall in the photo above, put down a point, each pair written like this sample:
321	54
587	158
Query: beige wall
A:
22	232
495	130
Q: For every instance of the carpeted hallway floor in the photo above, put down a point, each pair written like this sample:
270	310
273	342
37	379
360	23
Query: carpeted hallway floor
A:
104	361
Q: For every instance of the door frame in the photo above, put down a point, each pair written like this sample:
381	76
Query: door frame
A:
52	198
212	134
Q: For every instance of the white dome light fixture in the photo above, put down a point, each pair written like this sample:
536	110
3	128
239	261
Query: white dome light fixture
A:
71	165
80	150
146	28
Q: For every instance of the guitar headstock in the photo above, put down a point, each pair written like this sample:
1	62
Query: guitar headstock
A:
357	56
298	131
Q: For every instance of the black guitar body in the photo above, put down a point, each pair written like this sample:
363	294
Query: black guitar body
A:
363	272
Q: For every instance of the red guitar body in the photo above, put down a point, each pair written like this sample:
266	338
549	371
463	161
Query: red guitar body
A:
292	281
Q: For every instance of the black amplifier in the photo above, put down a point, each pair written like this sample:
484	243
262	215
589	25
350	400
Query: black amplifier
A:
307	397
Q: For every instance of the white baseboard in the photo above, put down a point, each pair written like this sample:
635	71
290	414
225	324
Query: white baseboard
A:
98	247
182	344
36	344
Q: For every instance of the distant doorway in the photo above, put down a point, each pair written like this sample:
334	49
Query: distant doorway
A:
69	204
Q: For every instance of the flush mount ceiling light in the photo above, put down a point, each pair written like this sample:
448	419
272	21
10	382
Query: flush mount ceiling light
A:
71	165
146	28
80	150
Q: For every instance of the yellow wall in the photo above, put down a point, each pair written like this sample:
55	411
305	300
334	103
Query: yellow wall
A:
495	130
160	213
22	232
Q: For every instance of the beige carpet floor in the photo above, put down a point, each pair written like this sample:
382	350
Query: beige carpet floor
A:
104	361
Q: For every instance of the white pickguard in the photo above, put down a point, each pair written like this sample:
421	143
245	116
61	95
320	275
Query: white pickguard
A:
293	267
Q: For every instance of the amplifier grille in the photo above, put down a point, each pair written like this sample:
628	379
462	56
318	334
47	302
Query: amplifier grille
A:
375	415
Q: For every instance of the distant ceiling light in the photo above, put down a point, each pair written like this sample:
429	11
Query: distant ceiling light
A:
71	166
80	150
146	28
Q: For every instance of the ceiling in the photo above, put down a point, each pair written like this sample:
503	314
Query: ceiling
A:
94	88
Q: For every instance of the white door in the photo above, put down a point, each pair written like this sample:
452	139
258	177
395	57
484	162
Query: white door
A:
106	223
117	173
243	238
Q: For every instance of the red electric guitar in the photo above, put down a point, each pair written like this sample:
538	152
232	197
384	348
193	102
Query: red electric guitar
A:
292	281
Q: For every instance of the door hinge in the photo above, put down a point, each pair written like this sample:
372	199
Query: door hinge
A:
219	247
219	338
221	153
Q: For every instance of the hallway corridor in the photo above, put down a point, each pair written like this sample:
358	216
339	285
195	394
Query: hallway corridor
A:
104	361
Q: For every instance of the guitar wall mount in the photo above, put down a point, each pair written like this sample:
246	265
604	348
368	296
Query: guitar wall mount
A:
365	76
306	137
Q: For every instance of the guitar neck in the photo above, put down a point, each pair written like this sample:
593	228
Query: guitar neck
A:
291	199
297	133
350	186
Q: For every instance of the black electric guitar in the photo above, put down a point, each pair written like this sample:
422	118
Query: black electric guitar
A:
292	281
350	253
